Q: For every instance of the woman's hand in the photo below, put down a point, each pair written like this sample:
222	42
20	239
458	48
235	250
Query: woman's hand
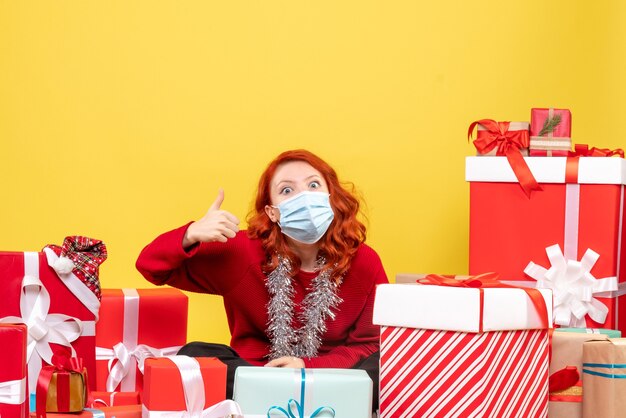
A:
295	362
216	225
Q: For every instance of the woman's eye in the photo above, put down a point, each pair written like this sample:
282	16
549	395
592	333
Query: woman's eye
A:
314	184
286	190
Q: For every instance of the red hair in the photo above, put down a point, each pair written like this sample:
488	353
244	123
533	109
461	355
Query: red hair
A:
344	234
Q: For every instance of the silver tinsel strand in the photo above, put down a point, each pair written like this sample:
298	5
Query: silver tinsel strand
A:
317	306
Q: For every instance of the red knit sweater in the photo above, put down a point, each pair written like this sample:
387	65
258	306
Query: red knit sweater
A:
233	270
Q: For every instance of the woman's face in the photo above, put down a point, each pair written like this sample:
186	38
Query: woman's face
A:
291	178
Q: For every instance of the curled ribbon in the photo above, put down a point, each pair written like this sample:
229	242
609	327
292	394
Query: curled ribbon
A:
43	328
508	143
299	406
193	389
573	287
489	280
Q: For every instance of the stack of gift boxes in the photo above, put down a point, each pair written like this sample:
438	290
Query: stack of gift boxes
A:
543	217
69	349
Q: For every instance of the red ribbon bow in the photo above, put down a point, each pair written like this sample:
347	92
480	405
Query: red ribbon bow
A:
63	366
508	143
489	280
583	150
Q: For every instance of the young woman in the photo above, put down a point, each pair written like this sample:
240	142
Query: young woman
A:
298	285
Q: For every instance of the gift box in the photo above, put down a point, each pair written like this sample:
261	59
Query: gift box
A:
566	237
566	386
262	391
13	389
124	411
550	132
59	305
100	399
62	387
136	324
604	378
508	139
463	351
181	384
611	333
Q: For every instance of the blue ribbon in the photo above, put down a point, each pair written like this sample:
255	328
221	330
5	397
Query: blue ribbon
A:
292	403
605	366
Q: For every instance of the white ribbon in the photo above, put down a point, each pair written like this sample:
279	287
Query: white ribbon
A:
127	356
73	283
43	328
573	287
13	392
193	388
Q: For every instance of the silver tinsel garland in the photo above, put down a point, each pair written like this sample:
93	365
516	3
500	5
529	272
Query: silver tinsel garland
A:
317	305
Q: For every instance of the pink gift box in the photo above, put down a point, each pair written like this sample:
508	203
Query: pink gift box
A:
546	142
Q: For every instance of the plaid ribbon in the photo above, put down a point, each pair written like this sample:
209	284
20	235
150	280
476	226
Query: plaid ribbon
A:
87	254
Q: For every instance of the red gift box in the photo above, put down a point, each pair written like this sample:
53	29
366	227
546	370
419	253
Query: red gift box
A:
169	383
136	324
59	309
13	390
567	237
100	399
550	132
462	351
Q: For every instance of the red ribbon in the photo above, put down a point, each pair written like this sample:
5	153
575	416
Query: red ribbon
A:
508	143
489	280
583	150
63	366
563	379
566	378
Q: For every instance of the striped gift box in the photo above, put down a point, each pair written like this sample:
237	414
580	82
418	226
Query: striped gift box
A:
451	352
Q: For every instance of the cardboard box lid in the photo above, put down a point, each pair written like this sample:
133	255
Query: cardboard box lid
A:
456	308
591	170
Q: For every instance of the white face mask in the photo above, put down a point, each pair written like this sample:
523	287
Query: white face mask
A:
306	216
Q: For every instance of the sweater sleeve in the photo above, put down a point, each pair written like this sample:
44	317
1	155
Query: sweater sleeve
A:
205	268
363	339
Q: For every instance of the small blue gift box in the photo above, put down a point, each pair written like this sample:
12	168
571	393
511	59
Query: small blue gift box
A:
303	393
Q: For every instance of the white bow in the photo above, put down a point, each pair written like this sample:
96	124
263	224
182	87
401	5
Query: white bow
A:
13	392
193	388
122	362
43	328
573	287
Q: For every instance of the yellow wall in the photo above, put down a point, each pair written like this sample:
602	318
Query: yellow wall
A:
121	119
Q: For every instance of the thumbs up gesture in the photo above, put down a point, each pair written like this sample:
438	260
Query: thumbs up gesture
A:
215	225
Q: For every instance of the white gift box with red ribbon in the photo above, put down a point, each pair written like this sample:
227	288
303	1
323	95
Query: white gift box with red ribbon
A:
454	351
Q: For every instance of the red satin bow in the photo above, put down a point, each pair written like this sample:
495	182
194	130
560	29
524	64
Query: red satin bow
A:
489	280
508	143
